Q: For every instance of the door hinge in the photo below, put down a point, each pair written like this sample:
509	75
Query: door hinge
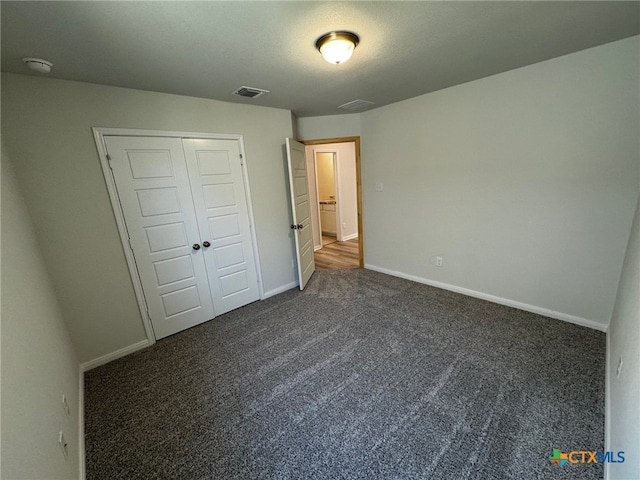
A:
130	246
241	156
109	161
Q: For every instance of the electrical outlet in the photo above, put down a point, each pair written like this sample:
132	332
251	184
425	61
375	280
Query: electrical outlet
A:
619	369
379	186
438	260
62	441
65	405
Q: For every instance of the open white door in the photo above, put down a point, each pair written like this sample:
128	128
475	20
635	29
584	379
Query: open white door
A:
301	223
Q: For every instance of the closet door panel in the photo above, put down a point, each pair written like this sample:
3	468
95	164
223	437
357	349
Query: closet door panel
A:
217	183
155	195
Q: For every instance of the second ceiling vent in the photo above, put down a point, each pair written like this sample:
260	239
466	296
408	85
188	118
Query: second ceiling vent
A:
356	105
250	92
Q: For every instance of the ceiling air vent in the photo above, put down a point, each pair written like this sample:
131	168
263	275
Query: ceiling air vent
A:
250	92
356	105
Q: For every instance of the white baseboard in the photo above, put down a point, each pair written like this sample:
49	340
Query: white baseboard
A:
607	406
81	458
492	298
317	247
278	290
349	237
96	362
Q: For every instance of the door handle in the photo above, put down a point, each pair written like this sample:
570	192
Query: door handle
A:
206	244
196	246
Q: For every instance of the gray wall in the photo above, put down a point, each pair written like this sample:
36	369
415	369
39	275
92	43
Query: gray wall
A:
525	182
331	126
623	341
46	128
39	364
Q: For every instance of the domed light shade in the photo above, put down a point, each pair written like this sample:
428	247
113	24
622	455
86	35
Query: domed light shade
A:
337	47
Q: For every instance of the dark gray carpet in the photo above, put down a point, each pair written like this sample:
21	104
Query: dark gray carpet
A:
362	375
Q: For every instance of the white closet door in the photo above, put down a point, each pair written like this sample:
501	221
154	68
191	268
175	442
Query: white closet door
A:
155	195
217	184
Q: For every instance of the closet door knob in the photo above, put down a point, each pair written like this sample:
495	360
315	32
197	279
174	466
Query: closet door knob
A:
196	246
206	244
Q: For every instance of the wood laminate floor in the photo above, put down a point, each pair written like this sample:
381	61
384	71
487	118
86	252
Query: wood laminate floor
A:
327	239
338	255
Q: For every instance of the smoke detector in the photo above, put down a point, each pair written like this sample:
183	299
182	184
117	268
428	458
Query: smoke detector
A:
38	64
250	92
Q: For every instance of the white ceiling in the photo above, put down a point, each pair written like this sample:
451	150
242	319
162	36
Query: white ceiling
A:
208	49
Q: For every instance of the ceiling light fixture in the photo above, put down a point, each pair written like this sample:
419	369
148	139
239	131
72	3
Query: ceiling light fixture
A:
38	64
337	47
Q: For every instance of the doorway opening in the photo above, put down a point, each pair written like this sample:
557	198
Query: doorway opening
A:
335	195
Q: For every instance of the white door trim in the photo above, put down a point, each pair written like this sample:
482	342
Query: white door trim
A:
252	223
336	181
98	134
317	205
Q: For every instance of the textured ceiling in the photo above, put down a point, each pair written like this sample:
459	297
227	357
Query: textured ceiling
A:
208	49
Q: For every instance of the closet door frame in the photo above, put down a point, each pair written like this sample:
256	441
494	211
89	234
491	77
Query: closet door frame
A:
98	134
